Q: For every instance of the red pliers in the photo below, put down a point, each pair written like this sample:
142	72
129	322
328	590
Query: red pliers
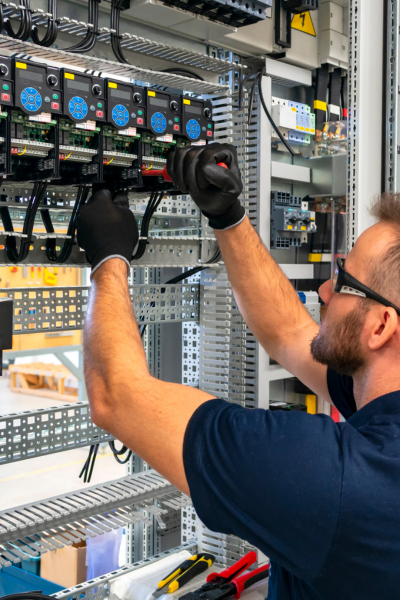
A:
228	583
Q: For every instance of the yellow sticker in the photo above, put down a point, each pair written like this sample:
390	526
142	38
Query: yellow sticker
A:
297	127
111	84
307	129
320	105
290	226
69	76
20	65
303	228
312	130
301	128
186	101
315	258
149	93
293	108
303	22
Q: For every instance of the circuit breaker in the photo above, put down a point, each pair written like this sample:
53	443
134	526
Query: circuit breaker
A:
291	221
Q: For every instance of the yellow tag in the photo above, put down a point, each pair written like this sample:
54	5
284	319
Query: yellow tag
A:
290	226
186	101
315	258
69	76
293	108
111	84
303	228
20	65
151	93
301	128
307	129
312	130
297	127
319	105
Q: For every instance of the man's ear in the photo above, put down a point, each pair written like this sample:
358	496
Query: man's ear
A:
385	326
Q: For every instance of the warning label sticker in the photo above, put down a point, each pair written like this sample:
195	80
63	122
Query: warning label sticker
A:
303	22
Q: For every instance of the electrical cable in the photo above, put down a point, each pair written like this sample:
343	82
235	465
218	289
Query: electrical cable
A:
214	259
25	25
52	27
15	255
90	38
270	119
118	453
66	250
184	72
115	35
88	467
153	204
27	596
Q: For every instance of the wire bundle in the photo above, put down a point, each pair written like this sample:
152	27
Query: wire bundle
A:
89	40
89	464
115	36
52	27
15	255
25	24
66	250
154	203
253	80
118	453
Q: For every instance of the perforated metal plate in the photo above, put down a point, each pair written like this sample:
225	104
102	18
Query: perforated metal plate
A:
64	308
45	431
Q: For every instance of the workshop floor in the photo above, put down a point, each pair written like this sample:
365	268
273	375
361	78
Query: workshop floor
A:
46	476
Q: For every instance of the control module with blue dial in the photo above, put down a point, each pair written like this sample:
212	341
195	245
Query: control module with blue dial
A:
164	113
126	105
197	123
84	97
37	88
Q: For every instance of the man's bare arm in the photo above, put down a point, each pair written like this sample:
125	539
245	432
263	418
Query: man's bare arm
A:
270	305
148	416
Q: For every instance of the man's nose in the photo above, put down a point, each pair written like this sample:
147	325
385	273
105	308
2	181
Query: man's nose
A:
325	291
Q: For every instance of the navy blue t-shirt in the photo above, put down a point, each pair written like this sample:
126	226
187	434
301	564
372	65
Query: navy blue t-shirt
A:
321	499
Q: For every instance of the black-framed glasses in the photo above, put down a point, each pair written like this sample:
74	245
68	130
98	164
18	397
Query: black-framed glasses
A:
344	283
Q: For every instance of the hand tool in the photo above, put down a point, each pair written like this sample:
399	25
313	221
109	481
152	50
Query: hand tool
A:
163	172
227	583
184	573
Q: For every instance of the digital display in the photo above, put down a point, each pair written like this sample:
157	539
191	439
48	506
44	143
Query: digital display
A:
193	110
120	94
77	85
158	102
28	76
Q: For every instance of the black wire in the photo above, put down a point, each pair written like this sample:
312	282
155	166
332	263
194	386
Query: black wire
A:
90	38
27	596
15	255
270	119
115	35
25	25
153	204
184	72
183	276
118	453
52	27
66	250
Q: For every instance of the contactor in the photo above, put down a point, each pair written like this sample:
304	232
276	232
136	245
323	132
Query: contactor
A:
291	221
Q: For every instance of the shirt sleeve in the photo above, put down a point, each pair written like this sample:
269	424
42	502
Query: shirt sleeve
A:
271	478
340	389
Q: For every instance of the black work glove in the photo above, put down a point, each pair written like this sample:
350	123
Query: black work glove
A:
215	190
107	228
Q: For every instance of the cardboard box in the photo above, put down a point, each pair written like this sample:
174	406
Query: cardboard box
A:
65	566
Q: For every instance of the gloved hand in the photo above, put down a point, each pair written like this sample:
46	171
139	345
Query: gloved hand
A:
215	190
107	228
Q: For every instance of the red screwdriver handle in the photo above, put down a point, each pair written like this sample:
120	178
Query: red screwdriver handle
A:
222	165
156	173
245	581
241	565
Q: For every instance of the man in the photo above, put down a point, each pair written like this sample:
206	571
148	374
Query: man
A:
321	499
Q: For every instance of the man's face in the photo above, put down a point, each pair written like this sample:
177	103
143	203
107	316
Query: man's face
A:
339	343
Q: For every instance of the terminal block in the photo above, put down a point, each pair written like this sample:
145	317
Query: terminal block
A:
80	140
291	221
